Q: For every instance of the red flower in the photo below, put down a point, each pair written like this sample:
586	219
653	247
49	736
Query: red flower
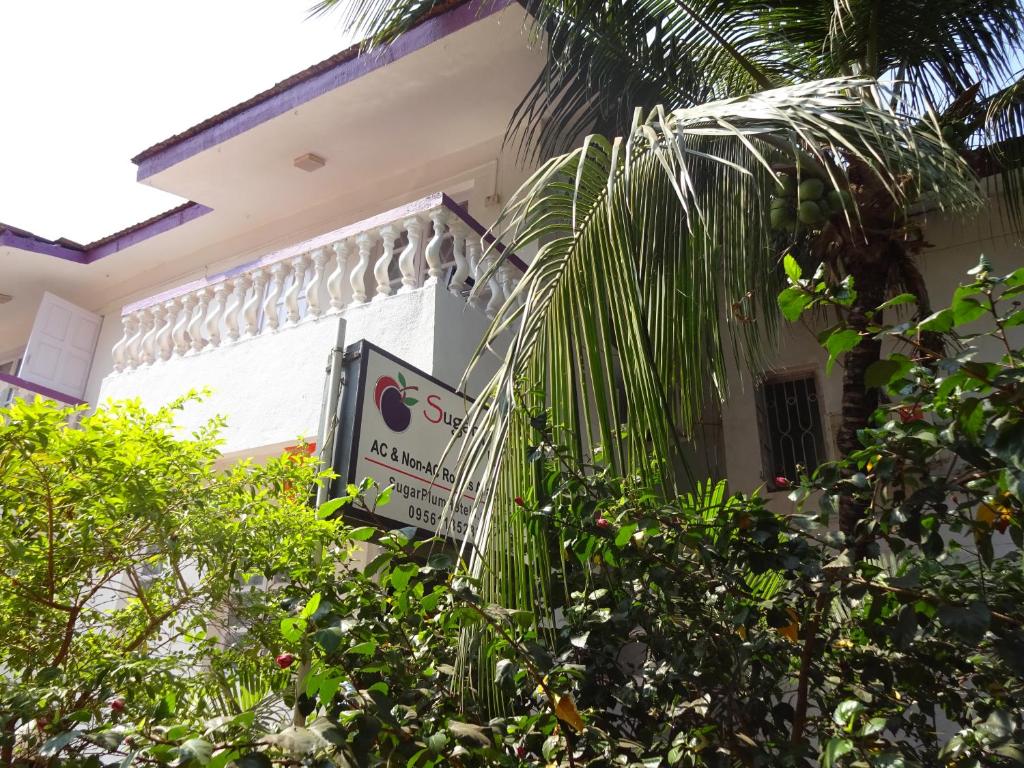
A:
519	501
909	413
520	752
117	704
781	482
602	523
285	660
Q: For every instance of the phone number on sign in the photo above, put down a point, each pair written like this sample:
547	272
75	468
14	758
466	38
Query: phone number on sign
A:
430	517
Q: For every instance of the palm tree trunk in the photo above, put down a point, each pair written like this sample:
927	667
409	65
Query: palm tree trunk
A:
870	279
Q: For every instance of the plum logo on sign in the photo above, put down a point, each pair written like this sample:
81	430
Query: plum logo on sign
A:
393	402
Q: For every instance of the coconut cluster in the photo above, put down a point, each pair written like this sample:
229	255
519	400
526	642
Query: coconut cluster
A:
806	203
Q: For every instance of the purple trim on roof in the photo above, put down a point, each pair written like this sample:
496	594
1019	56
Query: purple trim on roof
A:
87	254
289	95
430	202
39	389
27	242
156	226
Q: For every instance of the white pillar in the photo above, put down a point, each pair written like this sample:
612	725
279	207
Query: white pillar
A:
195	327
462	269
364	244
336	281
164	345
238	287
432	253
251	310
382	269
270	311
291	298
119	353
214	314
313	289
152	317
407	260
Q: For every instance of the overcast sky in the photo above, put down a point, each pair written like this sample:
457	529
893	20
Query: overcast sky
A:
86	85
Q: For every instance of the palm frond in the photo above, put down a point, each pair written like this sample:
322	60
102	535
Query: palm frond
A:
603	60
1004	132
645	241
379	21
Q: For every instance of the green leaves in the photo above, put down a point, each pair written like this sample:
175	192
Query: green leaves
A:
793	302
839	342
310	607
401	575
883	372
660	598
791	268
969	622
966	308
253	760
56	744
195	752
846	713
835	749
292	629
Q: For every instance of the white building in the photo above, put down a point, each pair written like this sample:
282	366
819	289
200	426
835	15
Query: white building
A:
356	188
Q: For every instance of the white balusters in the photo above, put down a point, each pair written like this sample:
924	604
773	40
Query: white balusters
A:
493	283
195	326
432	253
134	347
291	297
179	334
121	351
407	259
458	282
215	314
150	322
364	244
164	347
336	281
313	289
270	311
236	298
382	269
508	280
232	308
475	297
251	310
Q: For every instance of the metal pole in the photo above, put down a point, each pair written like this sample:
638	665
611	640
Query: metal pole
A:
328	433
326	437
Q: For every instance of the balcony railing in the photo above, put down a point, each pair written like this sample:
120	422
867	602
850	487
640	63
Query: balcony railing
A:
12	387
432	241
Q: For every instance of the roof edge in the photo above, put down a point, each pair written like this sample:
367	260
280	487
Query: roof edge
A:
332	73
105	246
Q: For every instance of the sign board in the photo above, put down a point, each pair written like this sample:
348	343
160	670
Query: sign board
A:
396	422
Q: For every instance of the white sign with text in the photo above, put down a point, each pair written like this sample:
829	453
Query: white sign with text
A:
404	420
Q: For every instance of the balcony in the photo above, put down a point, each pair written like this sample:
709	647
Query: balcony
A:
258	335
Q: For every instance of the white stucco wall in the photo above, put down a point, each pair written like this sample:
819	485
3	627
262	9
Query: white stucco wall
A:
957	243
270	387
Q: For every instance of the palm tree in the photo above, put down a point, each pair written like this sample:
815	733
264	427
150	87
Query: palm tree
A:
658	256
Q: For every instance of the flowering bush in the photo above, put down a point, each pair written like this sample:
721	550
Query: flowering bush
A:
699	630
